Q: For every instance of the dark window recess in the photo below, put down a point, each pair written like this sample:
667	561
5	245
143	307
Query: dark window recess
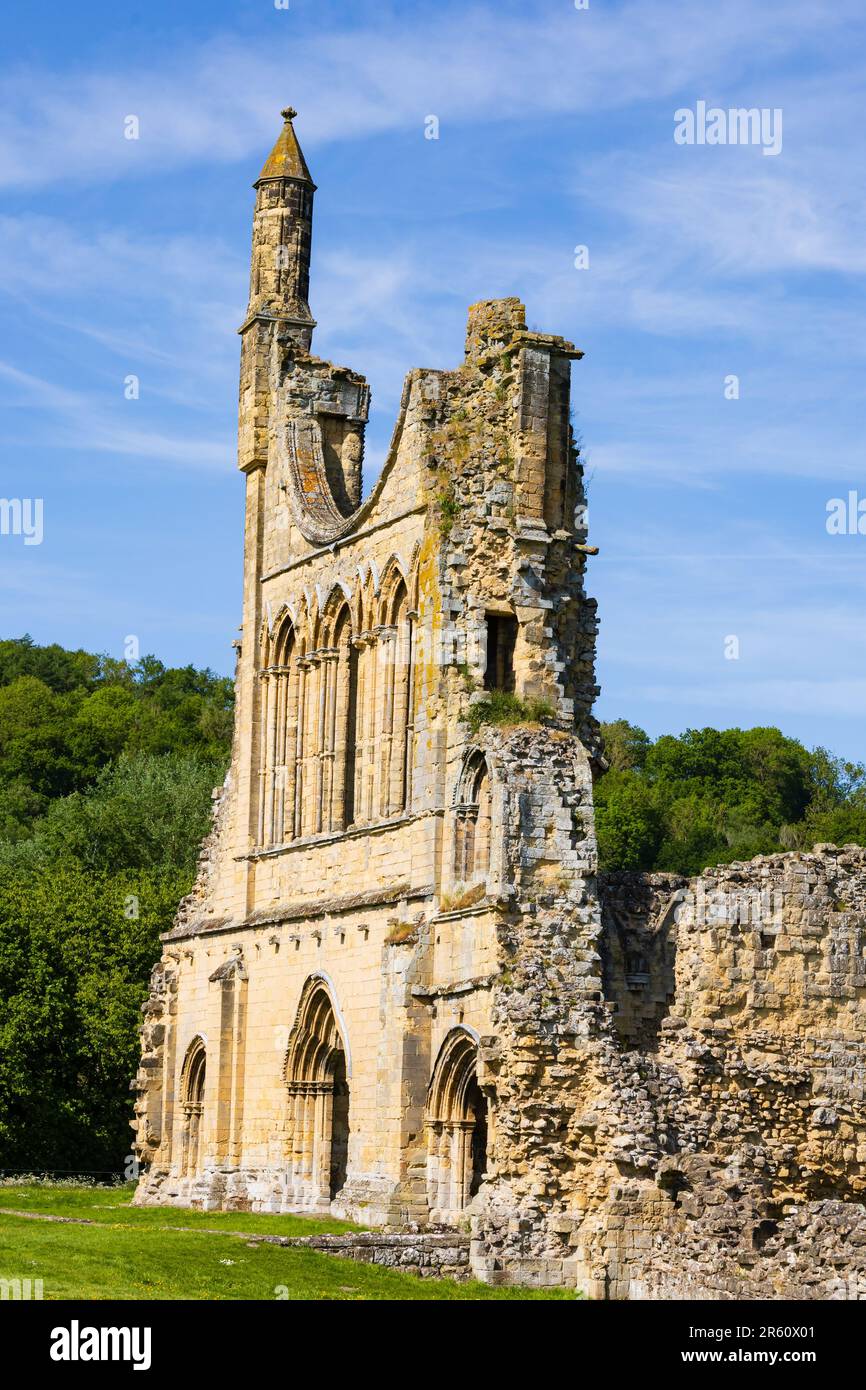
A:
501	638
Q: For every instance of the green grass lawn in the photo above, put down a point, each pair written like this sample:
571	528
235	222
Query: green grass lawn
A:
131	1253
113	1205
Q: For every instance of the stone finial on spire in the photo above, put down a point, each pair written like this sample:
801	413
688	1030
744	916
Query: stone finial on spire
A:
286	160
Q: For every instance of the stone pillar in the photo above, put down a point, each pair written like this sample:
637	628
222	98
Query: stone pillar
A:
342	733
303	666
388	662
329	733
463	1175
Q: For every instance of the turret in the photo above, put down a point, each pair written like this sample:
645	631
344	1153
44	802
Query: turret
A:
279	284
282	235
277	311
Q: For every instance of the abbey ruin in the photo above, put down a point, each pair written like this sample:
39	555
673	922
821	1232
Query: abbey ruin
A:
400	990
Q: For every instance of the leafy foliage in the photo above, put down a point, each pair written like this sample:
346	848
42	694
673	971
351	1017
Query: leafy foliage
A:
65	715
106	771
712	796
73	972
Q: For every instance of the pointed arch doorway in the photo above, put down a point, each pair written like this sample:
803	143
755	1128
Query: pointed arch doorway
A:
457	1128
317	1080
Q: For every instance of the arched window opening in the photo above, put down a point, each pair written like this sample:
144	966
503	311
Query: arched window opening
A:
472	822
192	1105
280	691
318	1119
335	717
558	452
457	1128
396	704
344	733
367	675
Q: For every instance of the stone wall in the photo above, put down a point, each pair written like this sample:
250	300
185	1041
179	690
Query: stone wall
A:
701	1132
427	1254
742	1163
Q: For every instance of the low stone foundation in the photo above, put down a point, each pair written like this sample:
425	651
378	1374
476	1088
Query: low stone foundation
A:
428	1254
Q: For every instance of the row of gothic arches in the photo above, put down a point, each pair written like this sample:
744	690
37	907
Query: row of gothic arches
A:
317	1078
336	735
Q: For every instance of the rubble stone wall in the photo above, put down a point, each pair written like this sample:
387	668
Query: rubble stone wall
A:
745	1167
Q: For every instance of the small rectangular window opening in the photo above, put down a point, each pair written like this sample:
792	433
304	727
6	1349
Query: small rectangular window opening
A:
501	640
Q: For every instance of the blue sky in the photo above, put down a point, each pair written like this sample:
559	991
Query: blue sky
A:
123	257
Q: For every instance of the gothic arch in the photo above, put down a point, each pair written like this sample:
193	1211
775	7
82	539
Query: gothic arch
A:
341	717
457	1127
473	806
393	576
192	1091
317	1073
396	630
278	725
337	598
336	706
283	636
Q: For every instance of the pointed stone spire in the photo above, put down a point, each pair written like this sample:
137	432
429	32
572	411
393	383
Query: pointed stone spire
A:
286	159
282	236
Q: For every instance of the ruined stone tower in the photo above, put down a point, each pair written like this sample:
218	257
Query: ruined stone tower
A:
398	990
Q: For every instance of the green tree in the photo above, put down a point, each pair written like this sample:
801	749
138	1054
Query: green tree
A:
721	794
625	745
76	946
628	824
144	812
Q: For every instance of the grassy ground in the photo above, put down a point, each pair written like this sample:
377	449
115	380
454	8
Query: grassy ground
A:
131	1253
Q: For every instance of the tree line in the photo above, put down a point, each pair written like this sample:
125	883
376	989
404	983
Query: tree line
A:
711	796
106	771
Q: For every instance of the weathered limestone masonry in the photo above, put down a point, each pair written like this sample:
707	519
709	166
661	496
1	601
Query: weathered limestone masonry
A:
373	999
398	990
738	999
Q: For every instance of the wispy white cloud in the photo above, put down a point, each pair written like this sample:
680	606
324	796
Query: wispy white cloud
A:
80	421
219	98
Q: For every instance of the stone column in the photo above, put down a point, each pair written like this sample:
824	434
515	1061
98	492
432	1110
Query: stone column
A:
387	681
300	767
342	733
324	1129
308	1130
446	1145
296	1152
280	756
326	757
463	1176
264	680
434	1140
290	752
